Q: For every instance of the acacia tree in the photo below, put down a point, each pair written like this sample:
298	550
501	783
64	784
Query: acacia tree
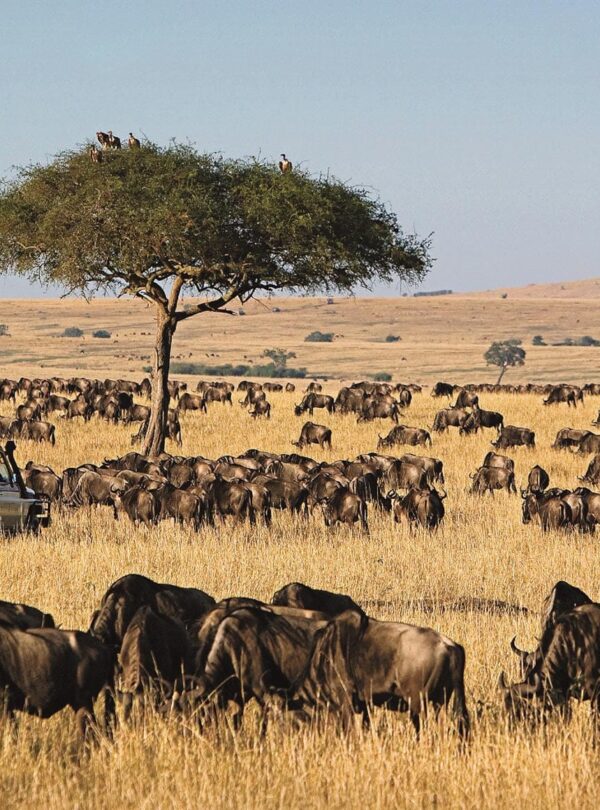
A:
505	353
160	221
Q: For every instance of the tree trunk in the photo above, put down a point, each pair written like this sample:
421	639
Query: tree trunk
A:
154	440
504	367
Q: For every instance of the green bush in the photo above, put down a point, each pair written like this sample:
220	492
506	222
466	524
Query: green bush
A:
3	330
72	332
319	337
392	338
538	340
101	333
381	376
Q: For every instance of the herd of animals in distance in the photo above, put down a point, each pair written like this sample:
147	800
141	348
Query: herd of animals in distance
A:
308	651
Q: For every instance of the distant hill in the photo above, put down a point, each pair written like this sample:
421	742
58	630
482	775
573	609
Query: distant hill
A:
587	288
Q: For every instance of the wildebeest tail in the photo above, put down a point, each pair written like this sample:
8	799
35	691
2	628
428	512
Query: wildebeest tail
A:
457	681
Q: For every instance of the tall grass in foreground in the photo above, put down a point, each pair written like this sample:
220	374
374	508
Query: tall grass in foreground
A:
482	550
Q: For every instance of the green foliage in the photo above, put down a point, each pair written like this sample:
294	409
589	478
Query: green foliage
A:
224	227
585	340
279	356
3	330
72	332
101	333
229	370
319	337
505	353
381	376
538	340
392	338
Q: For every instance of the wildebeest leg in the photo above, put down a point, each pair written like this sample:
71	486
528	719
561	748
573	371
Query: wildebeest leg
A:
86	722
109	710
415	719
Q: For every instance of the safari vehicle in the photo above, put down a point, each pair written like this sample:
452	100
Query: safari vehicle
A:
20	508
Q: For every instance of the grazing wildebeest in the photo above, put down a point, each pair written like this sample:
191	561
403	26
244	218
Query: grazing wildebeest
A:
35	431
589	444
191	402
423	507
592	474
291	495
442	389
433	467
357	663
487	479
538	479
312	433
314	387
379	409
343	506
132	591
496	460
42	670
561	393
95	489
466	399
511	436
402	434
261	408
567	665
298	595
43	481
139	505
24	616
215	394
568	437
449	417
155	654
552	511
290	387
311	401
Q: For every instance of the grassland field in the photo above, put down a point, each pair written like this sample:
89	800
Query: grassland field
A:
448	580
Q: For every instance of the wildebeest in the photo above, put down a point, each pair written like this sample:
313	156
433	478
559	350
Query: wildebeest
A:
35	431
567	665
466	399
487	479
261	408
442	389
449	417
24	616
568	437
592	474
423	507
343	506
95	489
42	670
433	467
139	505
132	591
552	511
191	402
561	393
402	434
298	595
313	400
511	436
589	444
43	481
357	662
312	433
155	654
375	408
495	460
538	479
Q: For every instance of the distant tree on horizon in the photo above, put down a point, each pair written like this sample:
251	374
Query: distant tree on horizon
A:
158	222
505	353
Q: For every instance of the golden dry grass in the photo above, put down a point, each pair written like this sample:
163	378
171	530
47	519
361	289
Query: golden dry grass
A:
442	337
482	550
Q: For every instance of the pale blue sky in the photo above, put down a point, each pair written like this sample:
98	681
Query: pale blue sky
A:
479	121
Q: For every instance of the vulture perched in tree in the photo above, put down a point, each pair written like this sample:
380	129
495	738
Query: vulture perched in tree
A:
285	165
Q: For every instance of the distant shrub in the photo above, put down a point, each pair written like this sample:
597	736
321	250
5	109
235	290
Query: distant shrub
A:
319	337
3	330
101	333
587	340
504	295
538	340
381	376
432	292
72	332
392	338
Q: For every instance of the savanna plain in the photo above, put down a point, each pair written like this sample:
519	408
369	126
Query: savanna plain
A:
480	579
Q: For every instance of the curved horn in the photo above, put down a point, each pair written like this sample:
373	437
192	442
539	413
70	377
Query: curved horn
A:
502	681
523	655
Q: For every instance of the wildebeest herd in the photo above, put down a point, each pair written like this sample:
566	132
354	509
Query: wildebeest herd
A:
307	650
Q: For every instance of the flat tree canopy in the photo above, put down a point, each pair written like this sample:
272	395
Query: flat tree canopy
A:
505	353
159	221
